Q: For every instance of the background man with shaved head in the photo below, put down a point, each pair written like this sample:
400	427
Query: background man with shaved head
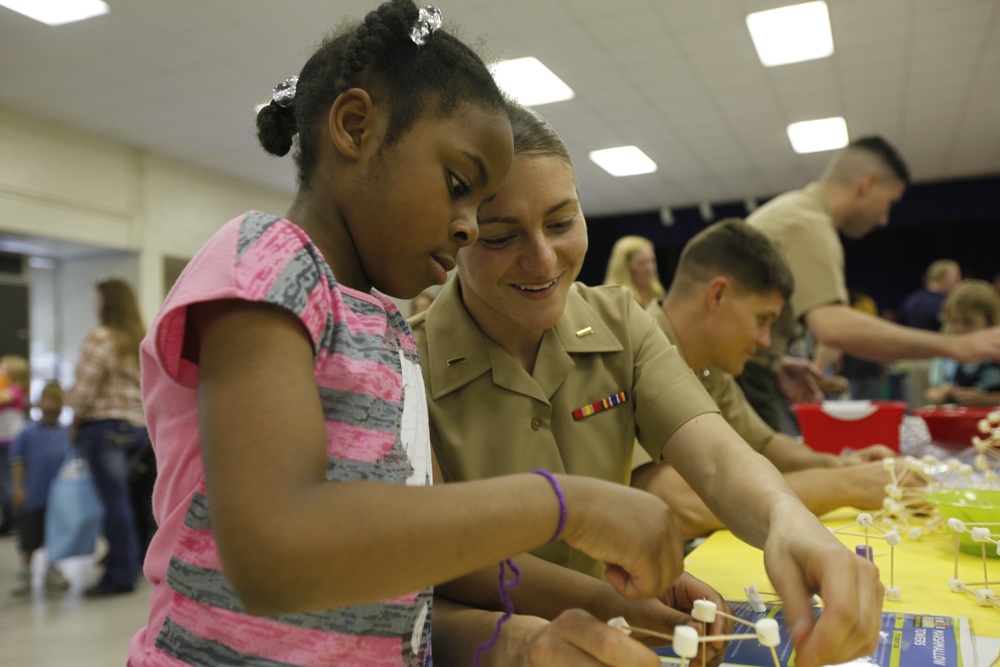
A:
852	197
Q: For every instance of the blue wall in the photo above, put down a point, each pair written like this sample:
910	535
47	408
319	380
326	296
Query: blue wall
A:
959	220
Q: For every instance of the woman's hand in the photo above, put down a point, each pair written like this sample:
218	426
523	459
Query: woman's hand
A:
802	559
682	598
632	531
577	639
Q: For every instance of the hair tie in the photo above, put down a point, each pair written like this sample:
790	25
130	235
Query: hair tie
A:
562	502
428	20
284	93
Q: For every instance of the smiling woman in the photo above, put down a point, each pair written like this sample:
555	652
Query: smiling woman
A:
532	240
526	369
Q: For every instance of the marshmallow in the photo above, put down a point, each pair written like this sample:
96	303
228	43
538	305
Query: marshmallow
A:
767	632
983	597
704	611
686	641
980	534
620	623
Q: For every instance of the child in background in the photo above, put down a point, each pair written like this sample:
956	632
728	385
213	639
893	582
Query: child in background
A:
36	456
285	401
972	305
15	378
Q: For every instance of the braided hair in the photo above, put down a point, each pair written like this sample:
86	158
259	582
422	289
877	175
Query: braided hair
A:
378	53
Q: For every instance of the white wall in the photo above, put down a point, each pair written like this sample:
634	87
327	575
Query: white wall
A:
60	184
134	208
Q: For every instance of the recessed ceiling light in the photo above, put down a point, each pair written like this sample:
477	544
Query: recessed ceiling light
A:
57	12
623	161
791	34
812	136
530	82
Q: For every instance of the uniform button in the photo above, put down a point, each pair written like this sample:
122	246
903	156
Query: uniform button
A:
536	424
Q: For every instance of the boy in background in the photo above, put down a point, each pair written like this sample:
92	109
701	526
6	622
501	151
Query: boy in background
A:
36	456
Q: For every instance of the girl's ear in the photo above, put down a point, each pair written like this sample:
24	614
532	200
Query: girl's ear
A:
350	122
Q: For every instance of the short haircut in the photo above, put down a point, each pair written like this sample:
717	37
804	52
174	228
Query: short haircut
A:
939	270
734	249
975	296
886	153
53	391
866	155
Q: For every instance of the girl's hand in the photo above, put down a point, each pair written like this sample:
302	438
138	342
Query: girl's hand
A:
632	531
575	638
682	597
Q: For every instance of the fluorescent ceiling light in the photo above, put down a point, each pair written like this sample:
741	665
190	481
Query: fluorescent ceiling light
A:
812	136
57	12
530	82
791	34
623	161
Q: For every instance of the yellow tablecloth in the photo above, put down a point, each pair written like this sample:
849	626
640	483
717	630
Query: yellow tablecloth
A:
922	571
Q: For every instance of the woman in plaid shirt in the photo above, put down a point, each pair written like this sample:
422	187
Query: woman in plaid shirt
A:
107	405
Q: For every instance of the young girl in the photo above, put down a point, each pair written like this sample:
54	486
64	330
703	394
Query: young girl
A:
285	402
36	457
15	378
972	305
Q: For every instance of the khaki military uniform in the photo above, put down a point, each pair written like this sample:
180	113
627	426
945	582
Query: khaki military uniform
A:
490	417
800	225
722	387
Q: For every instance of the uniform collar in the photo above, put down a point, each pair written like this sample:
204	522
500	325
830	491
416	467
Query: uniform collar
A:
452	336
662	321
815	190
660	317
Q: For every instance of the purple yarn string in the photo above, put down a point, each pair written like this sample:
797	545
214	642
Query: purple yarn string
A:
562	502
504	586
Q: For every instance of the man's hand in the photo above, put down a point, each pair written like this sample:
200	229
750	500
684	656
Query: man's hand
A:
798	379
869	454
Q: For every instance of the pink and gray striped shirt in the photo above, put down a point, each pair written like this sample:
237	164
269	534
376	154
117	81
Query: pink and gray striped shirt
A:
368	379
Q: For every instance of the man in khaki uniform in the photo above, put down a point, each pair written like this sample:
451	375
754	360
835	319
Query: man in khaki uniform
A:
852	197
730	285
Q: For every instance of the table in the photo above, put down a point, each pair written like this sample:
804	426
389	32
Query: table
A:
922	571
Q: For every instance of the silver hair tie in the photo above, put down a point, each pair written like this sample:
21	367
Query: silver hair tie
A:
428	20
284	92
